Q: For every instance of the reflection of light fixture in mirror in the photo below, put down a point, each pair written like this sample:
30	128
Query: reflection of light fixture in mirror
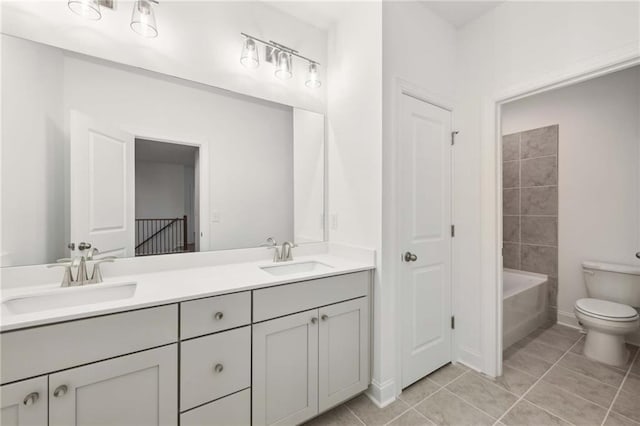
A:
312	79
283	66
143	21
249	57
89	9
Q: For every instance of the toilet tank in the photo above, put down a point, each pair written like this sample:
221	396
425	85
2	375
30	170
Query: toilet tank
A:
613	282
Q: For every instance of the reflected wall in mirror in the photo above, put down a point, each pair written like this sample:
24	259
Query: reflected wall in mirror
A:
140	163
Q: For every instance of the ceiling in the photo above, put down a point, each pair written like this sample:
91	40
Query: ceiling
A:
323	14
459	13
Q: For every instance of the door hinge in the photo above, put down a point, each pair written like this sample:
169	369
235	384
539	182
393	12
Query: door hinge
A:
453	322
453	230
453	137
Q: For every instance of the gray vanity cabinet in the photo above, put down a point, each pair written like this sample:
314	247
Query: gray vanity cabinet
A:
24	403
343	361
138	389
285	369
305	363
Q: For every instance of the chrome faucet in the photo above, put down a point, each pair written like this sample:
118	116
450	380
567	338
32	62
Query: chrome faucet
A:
280	254
80	263
285	253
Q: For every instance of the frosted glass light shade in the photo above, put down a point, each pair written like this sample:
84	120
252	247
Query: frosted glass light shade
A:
143	21
313	80
249	57
89	9
283	66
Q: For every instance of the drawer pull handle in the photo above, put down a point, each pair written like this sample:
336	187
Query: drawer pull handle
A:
324	317
31	399
218	368
314	320
60	391
218	316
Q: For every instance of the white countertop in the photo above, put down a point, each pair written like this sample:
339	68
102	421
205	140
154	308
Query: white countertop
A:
177	285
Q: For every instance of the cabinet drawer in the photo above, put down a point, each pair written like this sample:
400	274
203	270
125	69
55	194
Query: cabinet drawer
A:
290	298
80	342
200	382
213	314
233	410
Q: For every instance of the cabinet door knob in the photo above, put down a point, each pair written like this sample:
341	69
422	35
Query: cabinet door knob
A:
314	320
60	391
31	399
218	316
324	317
218	368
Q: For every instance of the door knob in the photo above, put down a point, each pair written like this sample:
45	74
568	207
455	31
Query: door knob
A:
638	255
218	316
324	317
218	368
410	257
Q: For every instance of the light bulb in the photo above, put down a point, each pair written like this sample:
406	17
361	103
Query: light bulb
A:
89	9
312	79
143	21
249	57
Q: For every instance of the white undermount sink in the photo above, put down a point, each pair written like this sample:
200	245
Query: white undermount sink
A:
297	268
65	297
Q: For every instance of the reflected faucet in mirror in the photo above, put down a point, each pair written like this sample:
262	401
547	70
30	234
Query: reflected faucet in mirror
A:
79	263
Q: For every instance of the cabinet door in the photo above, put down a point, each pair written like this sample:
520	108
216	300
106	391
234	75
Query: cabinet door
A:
24	403
343	351
285	369
138	389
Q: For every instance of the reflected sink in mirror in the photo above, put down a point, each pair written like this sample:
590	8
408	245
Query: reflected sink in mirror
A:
68	297
297	268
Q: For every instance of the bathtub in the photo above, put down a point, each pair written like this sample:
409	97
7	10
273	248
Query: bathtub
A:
524	304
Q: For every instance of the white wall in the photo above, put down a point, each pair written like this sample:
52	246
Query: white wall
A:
515	46
308	175
599	162
249	140
160	190
33	219
414	39
354	111
198	41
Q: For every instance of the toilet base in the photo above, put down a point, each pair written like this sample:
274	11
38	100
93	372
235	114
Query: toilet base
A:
606	348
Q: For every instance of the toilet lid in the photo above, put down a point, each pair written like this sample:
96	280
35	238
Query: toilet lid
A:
605	309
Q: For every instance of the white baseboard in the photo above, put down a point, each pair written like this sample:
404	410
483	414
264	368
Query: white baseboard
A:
569	319
382	394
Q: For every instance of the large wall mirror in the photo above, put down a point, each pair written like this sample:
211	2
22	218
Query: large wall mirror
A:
139	163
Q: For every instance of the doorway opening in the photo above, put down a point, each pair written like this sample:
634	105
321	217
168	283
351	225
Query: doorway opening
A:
166	198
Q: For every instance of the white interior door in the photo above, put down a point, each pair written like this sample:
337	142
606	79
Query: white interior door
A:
424	225
102	186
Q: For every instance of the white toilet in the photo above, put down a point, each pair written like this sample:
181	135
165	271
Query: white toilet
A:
608	314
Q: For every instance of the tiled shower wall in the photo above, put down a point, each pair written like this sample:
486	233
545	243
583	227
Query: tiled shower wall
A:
530	204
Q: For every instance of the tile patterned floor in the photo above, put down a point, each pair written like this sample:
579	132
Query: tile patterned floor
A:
546	381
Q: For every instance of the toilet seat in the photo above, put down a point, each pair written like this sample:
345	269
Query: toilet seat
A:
605	310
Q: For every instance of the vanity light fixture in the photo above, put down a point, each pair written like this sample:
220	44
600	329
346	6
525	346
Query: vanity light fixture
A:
283	66
249	57
89	9
312	79
280	56
143	20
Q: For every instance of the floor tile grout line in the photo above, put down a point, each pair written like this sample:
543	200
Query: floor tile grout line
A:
534	385
588	377
613	401
469	403
354	414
